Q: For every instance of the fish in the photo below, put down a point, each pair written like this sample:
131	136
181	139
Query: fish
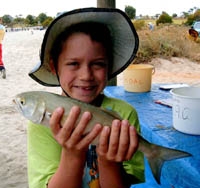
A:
38	106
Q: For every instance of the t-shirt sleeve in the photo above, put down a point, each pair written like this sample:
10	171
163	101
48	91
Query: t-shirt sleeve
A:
42	162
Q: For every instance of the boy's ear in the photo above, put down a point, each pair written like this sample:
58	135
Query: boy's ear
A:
53	70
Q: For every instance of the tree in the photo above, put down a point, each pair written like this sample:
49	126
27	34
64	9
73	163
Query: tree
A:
7	19
174	15
197	15
193	17
18	20
185	14
130	11
30	20
41	18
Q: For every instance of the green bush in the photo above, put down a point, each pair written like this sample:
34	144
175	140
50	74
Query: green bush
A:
47	22
193	17
139	24
164	18
190	19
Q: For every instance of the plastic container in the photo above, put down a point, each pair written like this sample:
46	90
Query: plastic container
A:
186	109
138	77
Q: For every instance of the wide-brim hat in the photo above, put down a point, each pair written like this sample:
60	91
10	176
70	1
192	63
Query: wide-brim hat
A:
124	39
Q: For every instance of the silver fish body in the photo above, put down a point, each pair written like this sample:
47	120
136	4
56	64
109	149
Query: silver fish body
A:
37	106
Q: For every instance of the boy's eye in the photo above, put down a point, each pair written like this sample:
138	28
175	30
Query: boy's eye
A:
100	64
72	64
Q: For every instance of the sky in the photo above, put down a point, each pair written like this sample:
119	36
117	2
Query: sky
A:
52	7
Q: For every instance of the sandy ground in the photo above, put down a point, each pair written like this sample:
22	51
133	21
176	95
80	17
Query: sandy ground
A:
21	53
175	70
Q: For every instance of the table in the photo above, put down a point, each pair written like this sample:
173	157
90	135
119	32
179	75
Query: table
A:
156	127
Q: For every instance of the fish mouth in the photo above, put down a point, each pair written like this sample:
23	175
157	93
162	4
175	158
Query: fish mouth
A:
14	101
16	104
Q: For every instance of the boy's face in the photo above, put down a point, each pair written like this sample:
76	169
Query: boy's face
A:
82	67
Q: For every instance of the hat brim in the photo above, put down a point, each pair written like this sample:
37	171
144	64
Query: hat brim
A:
124	37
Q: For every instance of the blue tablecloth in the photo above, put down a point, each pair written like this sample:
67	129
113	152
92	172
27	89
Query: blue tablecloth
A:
156	127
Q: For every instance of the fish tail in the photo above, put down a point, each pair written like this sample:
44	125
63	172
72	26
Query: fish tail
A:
160	155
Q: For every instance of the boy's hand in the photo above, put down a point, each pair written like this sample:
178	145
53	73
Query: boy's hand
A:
71	136
118	143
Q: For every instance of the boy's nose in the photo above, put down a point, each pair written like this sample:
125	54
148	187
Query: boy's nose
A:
86	73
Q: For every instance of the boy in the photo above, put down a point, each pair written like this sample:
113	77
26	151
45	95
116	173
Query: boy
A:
81	51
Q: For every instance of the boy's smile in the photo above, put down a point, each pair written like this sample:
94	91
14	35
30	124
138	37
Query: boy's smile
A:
82	67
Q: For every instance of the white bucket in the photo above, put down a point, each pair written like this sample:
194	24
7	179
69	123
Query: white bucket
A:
186	109
137	77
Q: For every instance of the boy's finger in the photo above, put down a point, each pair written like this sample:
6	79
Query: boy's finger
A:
124	141
78	132
54	121
133	142
114	138
70	122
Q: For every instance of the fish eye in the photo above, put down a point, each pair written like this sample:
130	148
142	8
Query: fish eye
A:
22	101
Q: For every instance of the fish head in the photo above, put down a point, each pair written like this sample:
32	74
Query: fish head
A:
31	106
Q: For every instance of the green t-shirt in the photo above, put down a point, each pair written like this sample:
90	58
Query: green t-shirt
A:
44	152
